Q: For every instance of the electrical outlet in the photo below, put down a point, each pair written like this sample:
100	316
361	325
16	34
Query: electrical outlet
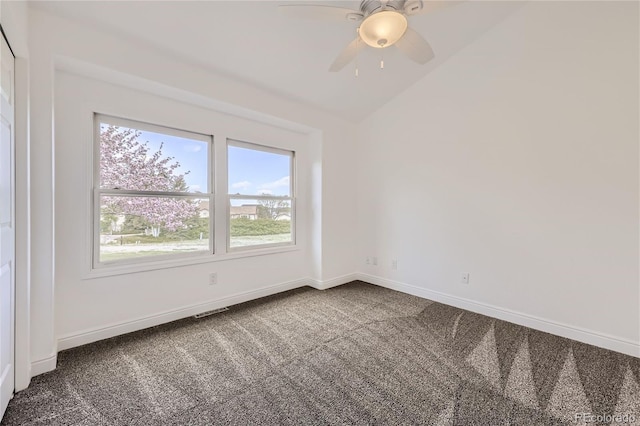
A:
394	264
213	278
375	261
368	261
464	278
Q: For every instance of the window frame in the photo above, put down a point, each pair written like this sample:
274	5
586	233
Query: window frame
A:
291	153
98	192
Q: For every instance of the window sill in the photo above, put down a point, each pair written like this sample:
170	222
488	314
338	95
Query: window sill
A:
107	271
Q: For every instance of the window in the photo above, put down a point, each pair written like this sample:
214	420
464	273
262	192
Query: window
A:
153	197
152	192
261	196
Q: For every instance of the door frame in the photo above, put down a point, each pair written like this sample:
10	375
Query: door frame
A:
11	379
22	212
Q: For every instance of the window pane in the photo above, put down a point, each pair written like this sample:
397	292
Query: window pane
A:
254	172
257	222
133	227
147	161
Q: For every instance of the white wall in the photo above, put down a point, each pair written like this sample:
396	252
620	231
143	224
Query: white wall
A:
107	70
14	16
85	302
516	161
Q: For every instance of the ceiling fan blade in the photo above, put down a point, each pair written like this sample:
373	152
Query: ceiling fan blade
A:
415	47
347	55
310	11
419	7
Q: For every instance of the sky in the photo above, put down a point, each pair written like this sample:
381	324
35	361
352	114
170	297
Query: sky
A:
251	172
257	172
191	154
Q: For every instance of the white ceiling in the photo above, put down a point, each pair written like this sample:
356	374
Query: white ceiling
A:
254	43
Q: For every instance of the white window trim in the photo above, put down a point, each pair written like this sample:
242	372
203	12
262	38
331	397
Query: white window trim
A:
98	192
292	196
156	264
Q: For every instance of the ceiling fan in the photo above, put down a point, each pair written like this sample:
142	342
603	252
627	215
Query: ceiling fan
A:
383	23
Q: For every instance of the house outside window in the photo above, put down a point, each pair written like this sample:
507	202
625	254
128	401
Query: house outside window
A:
261	196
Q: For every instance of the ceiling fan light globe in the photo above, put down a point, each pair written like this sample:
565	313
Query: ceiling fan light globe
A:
383	29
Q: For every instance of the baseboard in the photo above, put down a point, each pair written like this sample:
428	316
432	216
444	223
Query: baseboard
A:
333	282
44	365
575	333
92	335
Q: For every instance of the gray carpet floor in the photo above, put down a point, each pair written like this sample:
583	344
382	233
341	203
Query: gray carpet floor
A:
356	354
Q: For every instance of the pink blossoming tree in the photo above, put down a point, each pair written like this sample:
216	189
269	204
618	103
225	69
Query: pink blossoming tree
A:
127	163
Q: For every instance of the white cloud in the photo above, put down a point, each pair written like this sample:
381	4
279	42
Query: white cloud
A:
241	185
280	183
192	147
195	188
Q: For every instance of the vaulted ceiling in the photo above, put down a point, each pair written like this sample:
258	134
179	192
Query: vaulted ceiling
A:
253	42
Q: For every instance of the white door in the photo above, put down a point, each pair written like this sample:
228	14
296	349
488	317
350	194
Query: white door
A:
7	226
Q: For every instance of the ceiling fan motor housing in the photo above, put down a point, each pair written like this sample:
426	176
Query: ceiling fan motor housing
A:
367	7
408	7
